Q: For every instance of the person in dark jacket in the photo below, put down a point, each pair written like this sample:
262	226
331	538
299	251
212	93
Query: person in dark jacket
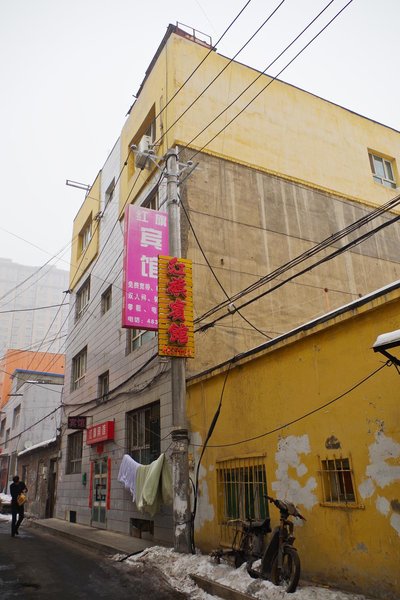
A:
16	488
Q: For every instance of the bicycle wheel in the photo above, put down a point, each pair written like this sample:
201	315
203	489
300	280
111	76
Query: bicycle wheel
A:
287	577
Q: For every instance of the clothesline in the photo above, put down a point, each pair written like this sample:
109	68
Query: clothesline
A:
150	485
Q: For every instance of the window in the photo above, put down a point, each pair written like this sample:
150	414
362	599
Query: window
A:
79	363
241	485
337	481
85	236
7	438
2	428
144	433
137	337
382	170
109	192
103	386
82	299
74	452
152	201
143	139
16	414
106	300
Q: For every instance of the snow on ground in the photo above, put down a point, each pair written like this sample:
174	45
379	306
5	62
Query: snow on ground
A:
178	567
5	499
4	518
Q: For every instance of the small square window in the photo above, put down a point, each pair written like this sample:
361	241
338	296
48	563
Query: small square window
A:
337	481
106	298
382	170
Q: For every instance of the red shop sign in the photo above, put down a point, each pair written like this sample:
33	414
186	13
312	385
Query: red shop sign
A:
102	432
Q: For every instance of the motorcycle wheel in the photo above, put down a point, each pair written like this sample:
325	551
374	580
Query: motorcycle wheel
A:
288	577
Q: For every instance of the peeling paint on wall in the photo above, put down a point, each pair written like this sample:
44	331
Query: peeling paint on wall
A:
288	457
379	473
205	510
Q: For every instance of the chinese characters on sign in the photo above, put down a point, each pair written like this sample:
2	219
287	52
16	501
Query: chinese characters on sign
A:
100	433
76	422
175	307
146	236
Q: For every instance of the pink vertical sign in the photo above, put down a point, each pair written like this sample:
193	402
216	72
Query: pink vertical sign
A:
146	236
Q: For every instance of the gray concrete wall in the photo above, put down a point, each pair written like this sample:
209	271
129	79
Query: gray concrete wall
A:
249	223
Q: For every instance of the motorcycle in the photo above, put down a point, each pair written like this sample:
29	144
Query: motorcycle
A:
280	562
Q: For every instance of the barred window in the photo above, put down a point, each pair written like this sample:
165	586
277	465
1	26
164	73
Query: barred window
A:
337	480
241	486
74	452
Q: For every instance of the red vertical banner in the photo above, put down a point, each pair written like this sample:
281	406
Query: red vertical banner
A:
91	485
175	307
108	497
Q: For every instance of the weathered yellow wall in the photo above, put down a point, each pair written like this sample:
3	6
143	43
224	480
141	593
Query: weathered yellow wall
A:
89	209
354	547
285	131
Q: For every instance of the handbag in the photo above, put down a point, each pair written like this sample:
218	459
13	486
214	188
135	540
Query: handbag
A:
21	499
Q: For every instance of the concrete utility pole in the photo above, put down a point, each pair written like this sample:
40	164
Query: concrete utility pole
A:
180	440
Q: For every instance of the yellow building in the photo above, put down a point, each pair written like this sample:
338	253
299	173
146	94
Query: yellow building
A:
276	175
311	417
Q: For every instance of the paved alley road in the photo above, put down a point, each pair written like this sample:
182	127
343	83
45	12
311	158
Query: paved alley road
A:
43	566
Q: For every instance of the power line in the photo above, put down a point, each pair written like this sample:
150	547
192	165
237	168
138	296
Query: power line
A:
212	49
268	84
304	416
355	242
158	142
17	310
324	244
213	272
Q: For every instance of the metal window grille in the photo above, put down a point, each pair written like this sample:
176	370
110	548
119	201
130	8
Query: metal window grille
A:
337	480
241	485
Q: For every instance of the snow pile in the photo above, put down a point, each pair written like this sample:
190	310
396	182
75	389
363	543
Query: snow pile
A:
5	499
5	518
178	567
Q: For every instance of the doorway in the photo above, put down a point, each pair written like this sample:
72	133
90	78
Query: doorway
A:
99	492
51	488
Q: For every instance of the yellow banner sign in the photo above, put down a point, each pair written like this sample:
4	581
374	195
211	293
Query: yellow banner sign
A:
175	307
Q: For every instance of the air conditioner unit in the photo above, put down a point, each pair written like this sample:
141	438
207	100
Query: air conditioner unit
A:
142	152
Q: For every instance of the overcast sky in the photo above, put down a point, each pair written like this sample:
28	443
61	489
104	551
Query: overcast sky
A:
69	68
